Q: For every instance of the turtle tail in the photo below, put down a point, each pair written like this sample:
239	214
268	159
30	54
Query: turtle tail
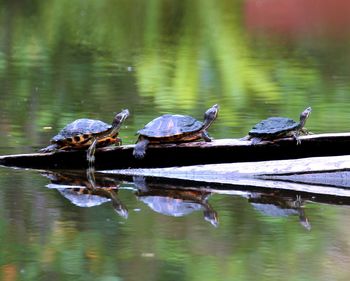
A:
50	148
255	140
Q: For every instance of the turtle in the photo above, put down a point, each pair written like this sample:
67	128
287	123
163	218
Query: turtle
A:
280	206
174	128
83	190
278	127
174	201
179	207
83	197
87	134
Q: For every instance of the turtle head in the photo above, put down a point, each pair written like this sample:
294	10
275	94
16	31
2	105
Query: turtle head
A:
304	115
212	217
211	114
119	118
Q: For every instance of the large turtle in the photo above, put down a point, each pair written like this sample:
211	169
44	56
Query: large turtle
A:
88	134
278	127
170	128
179	207
174	201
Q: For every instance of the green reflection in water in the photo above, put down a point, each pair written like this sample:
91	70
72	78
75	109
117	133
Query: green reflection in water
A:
44	236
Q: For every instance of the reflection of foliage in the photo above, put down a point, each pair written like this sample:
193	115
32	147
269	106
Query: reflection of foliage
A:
48	238
60	60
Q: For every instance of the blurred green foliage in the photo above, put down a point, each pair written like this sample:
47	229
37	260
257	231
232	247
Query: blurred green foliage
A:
60	60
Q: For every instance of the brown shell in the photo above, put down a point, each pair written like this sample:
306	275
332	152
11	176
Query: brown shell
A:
79	134
171	126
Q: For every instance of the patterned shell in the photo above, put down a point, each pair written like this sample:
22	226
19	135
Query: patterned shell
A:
81	127
170	125
273	126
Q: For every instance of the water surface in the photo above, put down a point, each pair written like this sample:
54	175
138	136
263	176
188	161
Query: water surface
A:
63	60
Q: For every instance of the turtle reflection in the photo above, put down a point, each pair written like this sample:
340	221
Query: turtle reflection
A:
86	190
173	201
278	206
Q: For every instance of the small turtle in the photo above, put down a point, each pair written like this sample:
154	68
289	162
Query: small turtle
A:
88	134
83	197
84	191
174	128
280	206
278	127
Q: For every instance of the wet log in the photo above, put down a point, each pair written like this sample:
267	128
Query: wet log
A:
186	154
244	185
249	187
276	169
328	175
176	187
315	175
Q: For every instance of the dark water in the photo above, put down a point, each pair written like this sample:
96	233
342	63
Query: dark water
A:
63	60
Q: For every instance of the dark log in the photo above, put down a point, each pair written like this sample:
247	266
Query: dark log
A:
185	154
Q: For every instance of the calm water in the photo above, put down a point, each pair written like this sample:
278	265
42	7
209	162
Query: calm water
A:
63	60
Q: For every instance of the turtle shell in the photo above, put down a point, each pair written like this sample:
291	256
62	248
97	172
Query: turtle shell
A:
171	206
171	125
81	127
83	199
273	126
274	210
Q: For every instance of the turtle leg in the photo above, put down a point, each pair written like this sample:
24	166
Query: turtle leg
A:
90	155
140	148
90	174
140	183
305	131
296	137
206	136
118	141
297	204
